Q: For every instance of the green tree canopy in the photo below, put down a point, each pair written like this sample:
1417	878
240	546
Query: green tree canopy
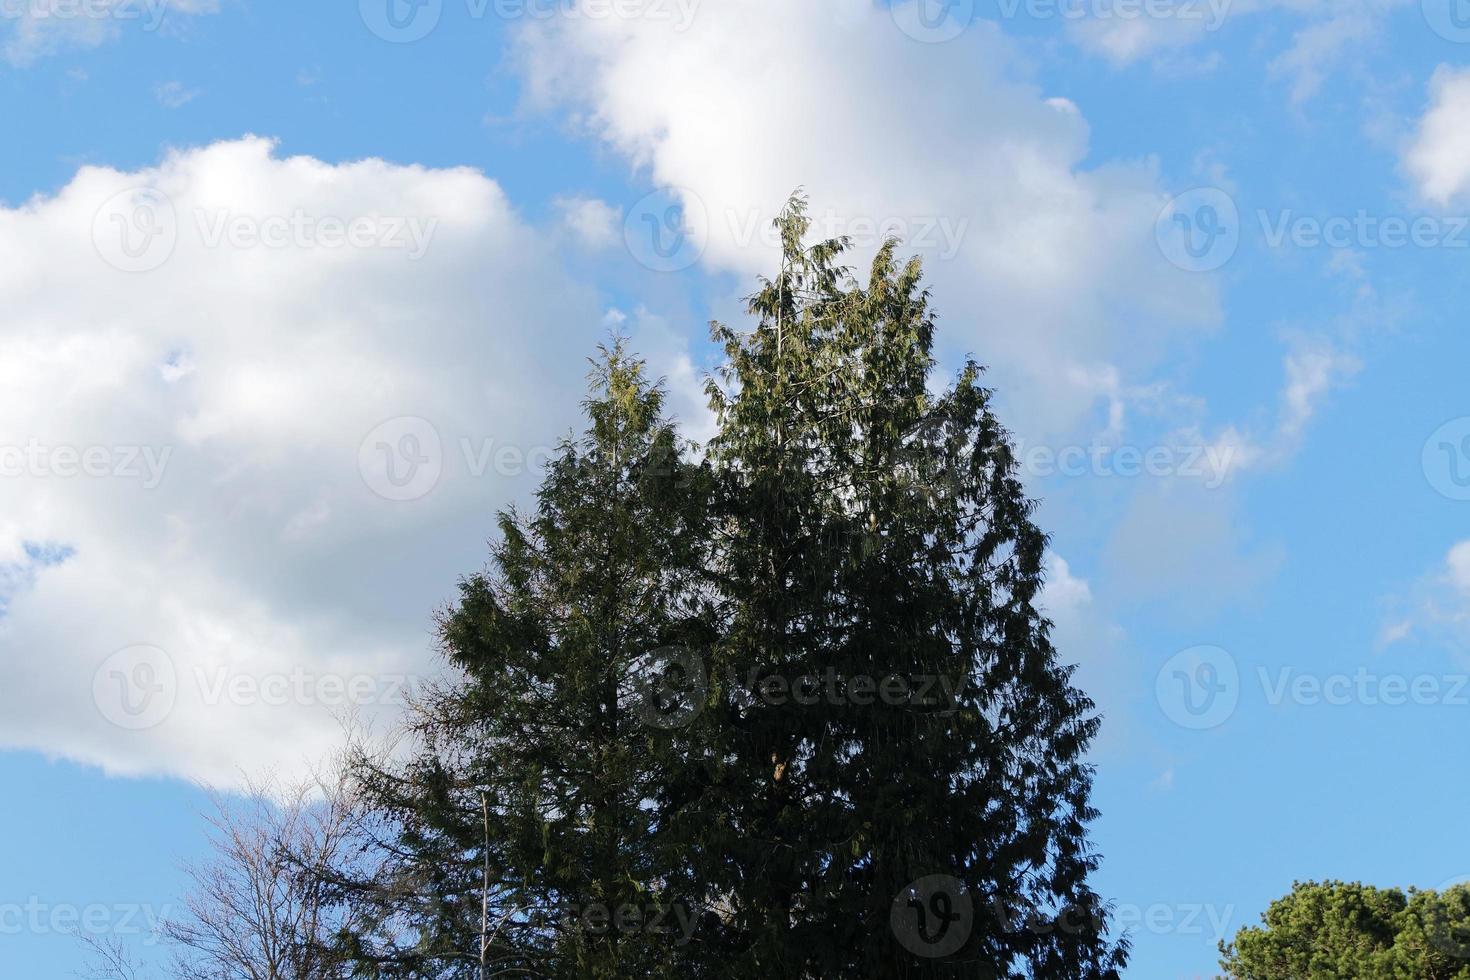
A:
874	531
790	694
1338	930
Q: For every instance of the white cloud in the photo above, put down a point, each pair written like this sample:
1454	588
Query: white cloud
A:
1457	565
251	376
1317	47
1065	595
1036	258
1123	41
666	349
31	29
594	222
1085	636
1043	263
1314	367
1332	28
1437	607
1438	158
174	95
1394	632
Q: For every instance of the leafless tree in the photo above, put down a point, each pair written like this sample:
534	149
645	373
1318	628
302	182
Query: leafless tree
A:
258	908
109	959
260	905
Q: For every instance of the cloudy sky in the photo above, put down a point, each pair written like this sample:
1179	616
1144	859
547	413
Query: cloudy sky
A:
294	296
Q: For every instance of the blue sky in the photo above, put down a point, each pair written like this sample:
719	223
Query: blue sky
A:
1273	618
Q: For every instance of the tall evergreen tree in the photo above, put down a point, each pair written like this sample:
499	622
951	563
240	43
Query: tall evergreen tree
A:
896	755
522	841
801	688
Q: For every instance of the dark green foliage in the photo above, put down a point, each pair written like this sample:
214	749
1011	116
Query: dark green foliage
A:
1348	931
538	767
846	524
872	529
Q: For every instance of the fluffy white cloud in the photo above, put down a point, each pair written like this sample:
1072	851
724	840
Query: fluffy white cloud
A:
594	222
1047	268
195	457
1065	594
1044	264
1438	157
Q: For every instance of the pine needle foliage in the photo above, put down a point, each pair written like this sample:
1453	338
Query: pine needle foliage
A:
791	692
